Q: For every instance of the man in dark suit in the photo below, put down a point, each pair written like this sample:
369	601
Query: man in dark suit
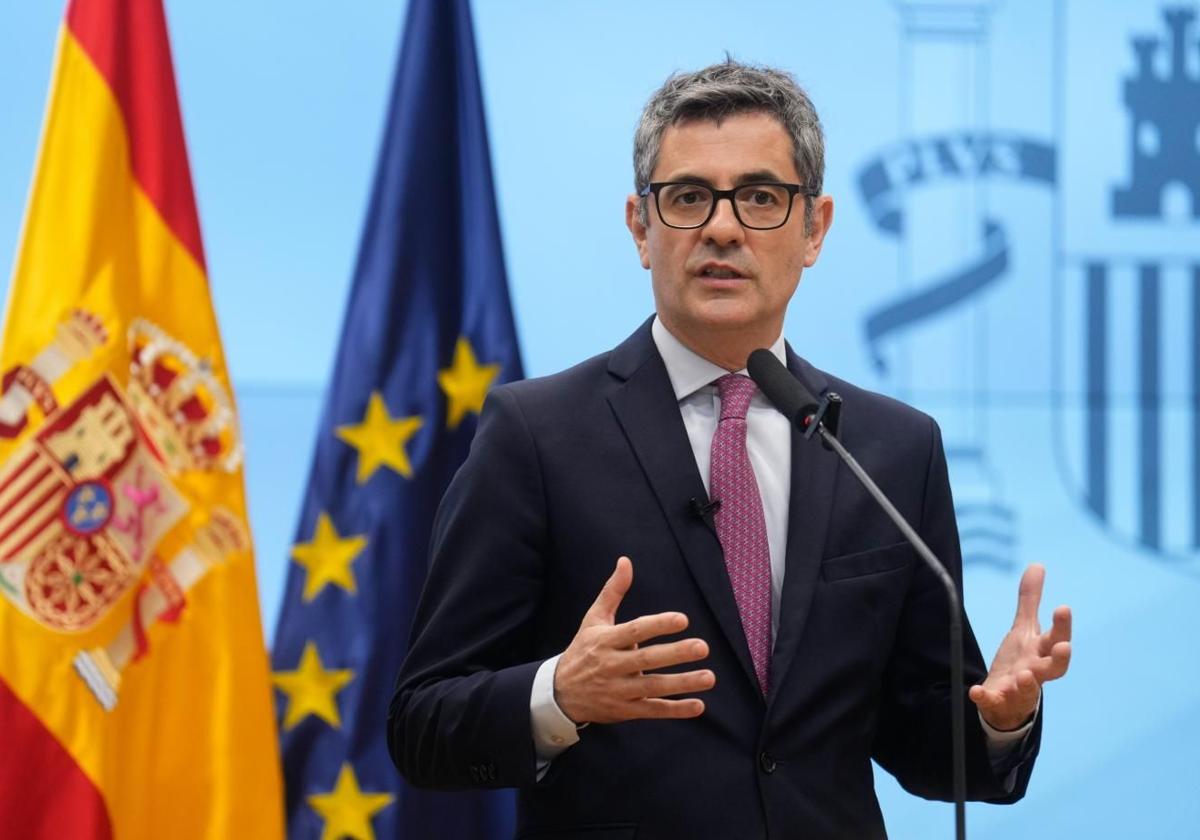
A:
815	639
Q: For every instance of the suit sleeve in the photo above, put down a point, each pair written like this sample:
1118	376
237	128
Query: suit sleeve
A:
459	716
913	741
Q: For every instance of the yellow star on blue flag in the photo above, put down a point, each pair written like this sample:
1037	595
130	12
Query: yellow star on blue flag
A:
346	810
465	383
380	439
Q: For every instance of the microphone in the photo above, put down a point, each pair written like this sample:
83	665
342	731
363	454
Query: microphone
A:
702	509
786	392
807	414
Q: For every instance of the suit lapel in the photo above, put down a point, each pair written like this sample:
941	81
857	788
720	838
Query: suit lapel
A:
814	473
645	406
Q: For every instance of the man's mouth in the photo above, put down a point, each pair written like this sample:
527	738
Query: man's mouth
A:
721	272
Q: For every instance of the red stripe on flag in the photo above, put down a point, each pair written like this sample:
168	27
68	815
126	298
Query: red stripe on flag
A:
16	473
44	795
40	530
127	40
27	510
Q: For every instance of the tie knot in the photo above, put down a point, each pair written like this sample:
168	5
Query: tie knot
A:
736	392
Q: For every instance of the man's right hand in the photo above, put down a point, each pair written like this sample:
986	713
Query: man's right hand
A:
601	676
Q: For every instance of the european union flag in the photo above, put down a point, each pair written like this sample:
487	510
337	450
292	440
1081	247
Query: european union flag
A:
427	332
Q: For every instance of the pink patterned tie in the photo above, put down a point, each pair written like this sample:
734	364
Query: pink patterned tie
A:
741	526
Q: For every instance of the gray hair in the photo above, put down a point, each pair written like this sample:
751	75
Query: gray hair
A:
724	90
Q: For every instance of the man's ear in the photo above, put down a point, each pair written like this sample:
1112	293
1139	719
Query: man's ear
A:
822	219
633	221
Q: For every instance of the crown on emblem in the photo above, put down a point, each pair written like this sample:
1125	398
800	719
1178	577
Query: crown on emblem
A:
182	405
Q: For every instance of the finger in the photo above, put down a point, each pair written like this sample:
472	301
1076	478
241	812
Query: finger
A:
985	698
1060	631
1029	596
604	608
655	707
991	694
997	690
1009	700
653	657
645	627
1028	688
1055	665
668	685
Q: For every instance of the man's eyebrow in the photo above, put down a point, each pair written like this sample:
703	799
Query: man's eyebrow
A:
688	178
757	176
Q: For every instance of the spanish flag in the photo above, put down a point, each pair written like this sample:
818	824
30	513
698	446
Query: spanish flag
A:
135	700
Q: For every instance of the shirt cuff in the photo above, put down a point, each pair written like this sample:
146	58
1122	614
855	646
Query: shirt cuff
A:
553	731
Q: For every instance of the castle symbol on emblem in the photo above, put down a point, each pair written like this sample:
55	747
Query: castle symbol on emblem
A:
1165	127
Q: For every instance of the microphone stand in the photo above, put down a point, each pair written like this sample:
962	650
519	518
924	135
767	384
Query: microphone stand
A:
824	422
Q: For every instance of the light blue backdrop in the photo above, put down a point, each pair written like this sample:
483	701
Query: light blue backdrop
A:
1000	133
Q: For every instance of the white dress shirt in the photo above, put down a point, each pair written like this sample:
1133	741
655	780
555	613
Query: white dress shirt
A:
769	442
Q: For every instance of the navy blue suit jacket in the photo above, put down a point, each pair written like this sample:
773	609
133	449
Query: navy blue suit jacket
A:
571	471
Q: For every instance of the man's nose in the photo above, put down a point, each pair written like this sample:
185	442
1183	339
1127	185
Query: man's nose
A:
723	228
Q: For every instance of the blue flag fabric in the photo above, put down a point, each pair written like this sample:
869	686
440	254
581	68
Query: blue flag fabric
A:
428	330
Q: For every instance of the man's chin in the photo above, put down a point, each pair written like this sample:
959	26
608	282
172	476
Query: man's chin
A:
726	316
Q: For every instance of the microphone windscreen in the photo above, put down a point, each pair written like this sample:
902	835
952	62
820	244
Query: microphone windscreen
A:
786	392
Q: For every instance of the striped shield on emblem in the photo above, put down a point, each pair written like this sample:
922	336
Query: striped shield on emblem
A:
1129	424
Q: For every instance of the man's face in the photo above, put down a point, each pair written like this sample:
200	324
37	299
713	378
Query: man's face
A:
723	281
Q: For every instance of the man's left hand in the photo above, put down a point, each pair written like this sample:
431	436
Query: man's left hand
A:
1027	658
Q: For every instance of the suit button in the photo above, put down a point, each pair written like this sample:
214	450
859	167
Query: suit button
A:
766	761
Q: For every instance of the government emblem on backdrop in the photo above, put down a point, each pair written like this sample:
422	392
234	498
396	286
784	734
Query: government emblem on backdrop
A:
1126	296
930	191
87	499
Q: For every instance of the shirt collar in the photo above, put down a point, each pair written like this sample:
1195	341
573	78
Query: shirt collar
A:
688	371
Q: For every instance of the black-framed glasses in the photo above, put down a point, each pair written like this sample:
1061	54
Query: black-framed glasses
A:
765	205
